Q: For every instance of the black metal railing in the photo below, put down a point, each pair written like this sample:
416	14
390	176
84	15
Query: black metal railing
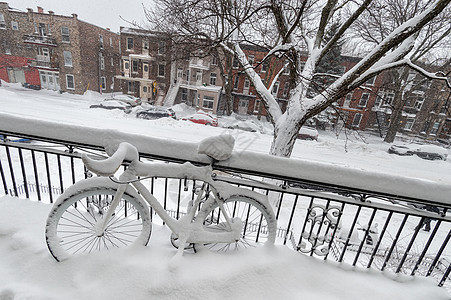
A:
368	229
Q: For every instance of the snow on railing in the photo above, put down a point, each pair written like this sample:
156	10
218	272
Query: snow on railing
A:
335	218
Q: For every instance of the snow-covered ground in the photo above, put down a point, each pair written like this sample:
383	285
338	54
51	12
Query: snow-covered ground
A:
27	271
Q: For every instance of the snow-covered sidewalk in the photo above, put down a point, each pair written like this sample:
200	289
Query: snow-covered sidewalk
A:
27	270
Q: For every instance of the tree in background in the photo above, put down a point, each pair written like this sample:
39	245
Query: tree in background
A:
375	27
290	30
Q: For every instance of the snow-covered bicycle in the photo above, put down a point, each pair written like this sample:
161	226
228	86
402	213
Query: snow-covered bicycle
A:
105	212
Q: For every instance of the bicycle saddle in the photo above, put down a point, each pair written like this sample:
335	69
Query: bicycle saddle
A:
217	147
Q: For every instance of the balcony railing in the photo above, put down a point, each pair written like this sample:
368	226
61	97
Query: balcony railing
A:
367	228
39	40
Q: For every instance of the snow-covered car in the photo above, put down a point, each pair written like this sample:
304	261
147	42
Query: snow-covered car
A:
429	152
133	101
202	118
155	112
243	125
113	104
308	133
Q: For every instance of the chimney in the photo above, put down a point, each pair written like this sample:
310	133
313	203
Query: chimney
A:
74	15
107	29
30	14
51	12
40	10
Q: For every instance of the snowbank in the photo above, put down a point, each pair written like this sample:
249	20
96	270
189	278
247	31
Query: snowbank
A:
27	270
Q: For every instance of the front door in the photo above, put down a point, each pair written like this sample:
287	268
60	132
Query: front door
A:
242	109
145	91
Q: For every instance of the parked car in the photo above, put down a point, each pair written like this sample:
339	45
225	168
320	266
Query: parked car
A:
113	104
308	133
202	118
133	101
429	152
243	125
151	112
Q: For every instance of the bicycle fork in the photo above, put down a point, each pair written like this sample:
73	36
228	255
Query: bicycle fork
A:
102	224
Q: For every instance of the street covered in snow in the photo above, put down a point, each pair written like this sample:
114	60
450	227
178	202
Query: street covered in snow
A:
28	271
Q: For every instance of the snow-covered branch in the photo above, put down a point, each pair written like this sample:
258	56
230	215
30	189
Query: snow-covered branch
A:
438	75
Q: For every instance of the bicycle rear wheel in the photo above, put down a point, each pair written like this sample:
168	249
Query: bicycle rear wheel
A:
71	224
259	224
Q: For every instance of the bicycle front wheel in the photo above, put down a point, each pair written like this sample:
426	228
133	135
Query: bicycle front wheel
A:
71	224
259	223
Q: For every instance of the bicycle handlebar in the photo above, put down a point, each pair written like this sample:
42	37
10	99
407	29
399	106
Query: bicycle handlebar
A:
109	166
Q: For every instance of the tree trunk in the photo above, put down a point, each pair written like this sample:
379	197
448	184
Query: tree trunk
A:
285	134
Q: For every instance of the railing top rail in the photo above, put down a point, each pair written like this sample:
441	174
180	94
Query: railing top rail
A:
313	173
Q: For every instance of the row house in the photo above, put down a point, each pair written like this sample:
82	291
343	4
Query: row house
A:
153	70
57	52
426	111
355	108
145	64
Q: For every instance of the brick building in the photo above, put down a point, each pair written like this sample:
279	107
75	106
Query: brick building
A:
67	54
154	70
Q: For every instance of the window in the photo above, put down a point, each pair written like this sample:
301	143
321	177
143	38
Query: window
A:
134	66
67	58
70	83
14	25
235	63
378	101
286	67
199	76
126	65
187	75
208	102
235	86
146	67
102	62
275	88
101	40
247	84
145	45
389	98
112	62
131	87
129	43
364	99
103	83
435	128
161	47
214	61
161	70
41	29
184	94
357	119
49	31
212	78
419	103
286	89
265	66
409	123
251	60
257	104
2	22
111	42
65	34
179	73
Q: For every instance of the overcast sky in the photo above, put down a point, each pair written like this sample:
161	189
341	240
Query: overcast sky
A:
103	13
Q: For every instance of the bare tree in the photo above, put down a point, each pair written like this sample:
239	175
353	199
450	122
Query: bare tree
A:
291	29
435	35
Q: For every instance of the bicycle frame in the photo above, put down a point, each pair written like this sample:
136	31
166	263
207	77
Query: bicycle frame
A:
189	228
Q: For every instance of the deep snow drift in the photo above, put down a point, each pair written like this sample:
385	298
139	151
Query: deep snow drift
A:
27	270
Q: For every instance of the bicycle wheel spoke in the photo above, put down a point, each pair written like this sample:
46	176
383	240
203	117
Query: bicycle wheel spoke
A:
72	226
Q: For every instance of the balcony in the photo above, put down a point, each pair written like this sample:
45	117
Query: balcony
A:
198	63
319	214
39	40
